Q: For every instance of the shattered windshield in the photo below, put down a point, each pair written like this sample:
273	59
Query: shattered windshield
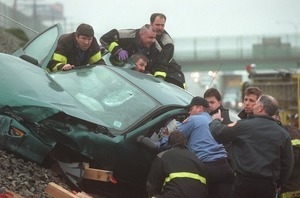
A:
106	95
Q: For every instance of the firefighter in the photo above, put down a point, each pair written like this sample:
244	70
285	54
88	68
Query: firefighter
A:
76	49
177	172
174	74
124	43
291	188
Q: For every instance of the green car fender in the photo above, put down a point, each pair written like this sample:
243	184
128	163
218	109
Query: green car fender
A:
20	140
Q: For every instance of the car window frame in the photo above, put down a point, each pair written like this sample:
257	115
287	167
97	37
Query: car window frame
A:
40	37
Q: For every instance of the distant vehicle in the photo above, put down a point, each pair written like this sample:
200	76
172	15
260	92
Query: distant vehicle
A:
229	100
232	101
96	114
284	86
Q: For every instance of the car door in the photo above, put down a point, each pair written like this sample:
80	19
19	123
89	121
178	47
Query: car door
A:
40	49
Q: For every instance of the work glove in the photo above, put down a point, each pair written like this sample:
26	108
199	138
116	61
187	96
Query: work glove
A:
122	54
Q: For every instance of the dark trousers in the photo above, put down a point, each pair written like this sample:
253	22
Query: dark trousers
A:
249	187
220	178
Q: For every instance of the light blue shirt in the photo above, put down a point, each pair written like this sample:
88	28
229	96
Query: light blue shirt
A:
200	141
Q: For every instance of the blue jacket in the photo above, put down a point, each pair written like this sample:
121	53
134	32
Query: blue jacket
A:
200	140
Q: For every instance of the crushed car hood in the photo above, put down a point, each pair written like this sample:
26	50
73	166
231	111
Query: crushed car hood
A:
26	91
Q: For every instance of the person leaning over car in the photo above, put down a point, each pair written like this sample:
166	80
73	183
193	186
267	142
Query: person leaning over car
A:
262	154
177	172
76	49
174	74
139	61
124	43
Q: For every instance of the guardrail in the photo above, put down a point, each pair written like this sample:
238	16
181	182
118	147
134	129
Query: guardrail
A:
202	48
242	47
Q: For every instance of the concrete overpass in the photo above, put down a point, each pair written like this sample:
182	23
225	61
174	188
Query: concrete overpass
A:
234	53
229	57
203	54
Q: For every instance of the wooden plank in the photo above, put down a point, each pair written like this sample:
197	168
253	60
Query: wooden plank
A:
96	174
83	195
57	191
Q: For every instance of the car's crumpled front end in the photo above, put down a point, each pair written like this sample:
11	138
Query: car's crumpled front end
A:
23	137
34	140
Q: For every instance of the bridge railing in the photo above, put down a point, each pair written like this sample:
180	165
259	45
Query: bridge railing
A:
242	47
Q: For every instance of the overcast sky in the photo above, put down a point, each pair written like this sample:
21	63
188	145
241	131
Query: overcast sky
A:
189	18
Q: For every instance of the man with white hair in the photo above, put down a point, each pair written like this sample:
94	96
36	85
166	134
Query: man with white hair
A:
262	155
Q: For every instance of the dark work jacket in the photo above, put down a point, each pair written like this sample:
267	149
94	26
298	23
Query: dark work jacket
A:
226	120
293	182
128	39
244	115
260	147
224	114
167	46
68	48
174	74
176	160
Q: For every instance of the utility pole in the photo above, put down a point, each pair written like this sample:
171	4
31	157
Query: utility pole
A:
15	5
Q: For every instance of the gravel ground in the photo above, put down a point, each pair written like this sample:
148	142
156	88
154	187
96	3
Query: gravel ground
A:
26	178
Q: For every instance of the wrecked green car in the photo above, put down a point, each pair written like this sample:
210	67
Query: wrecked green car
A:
94	114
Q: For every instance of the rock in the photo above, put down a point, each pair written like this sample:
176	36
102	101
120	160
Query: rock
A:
26	178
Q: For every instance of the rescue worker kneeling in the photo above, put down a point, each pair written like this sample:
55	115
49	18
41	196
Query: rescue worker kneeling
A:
177	172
